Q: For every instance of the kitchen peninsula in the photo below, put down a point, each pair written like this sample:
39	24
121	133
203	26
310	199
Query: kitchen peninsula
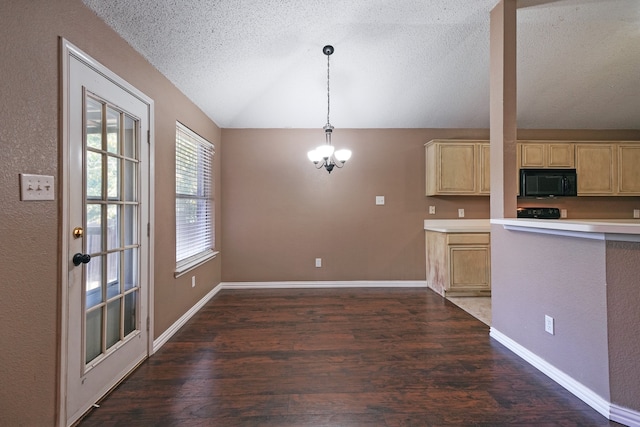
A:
583	276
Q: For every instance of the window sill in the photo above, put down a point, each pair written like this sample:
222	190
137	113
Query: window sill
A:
189	265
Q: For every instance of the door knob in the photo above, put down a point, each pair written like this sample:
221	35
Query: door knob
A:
81	259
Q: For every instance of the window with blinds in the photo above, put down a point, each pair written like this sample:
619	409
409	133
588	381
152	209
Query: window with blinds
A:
195	233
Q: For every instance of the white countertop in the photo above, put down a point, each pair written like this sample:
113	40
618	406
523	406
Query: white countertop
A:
458	225
602	229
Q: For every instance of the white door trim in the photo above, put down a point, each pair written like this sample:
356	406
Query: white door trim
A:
68	51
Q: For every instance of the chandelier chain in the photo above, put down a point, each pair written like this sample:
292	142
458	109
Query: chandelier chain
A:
328	96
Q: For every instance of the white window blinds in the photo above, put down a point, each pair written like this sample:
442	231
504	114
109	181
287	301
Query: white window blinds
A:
195	235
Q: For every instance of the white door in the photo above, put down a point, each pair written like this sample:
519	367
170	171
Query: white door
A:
107	197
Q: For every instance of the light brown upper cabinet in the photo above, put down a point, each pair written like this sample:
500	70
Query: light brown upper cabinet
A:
595	166
457	167
558	155
628	169
485	169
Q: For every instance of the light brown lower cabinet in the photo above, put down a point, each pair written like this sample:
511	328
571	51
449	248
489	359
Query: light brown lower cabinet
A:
458	264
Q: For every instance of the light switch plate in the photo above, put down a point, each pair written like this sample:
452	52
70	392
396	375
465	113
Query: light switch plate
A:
36	187
379	200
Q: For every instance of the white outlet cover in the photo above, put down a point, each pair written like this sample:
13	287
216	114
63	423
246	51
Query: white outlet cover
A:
548	324
432	210
460	213
36	187
379	200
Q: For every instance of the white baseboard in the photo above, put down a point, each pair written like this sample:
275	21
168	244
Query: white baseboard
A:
326	284
588	396
171	330
625	416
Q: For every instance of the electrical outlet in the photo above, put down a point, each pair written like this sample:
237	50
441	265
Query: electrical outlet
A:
563	213
36	187
193	281
318	262
636	213
432	210
379	200
548	324
460	213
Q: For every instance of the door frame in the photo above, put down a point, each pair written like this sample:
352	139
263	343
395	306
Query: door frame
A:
68	51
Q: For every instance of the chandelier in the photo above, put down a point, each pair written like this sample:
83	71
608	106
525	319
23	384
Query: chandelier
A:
324	154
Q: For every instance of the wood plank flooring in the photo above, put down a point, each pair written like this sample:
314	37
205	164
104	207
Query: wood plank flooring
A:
337	357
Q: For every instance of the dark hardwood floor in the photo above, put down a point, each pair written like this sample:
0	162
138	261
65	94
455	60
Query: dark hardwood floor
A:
337	357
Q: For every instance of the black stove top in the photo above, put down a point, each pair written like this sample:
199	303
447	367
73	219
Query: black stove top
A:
541	213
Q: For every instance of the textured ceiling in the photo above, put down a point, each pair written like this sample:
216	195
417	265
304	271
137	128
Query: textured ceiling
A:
397	63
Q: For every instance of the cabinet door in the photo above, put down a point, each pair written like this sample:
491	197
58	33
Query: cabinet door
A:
532	155
485	169
595	166
469	268
629	169
457	170
560	155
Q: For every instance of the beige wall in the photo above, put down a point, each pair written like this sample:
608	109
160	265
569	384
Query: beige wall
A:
29	242
280	213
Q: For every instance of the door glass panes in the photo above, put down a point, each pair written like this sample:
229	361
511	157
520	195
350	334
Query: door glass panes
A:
93	166
113	232
129	137
93	334
131	269
111	283
113	268
130	312
130	174
113	322
93	231
93	117
113	130
94	281
130	225
113	177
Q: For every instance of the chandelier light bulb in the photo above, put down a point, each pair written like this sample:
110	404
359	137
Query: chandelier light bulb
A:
325	151
343	155
314	156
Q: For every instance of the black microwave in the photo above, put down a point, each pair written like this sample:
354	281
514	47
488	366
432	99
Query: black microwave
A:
548	182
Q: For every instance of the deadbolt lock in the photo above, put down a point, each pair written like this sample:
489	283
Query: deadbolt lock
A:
78	232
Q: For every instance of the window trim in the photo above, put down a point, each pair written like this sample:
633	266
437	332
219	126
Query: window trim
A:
188	264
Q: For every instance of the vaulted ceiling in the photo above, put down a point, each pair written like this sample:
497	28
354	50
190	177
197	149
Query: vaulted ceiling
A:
397	63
